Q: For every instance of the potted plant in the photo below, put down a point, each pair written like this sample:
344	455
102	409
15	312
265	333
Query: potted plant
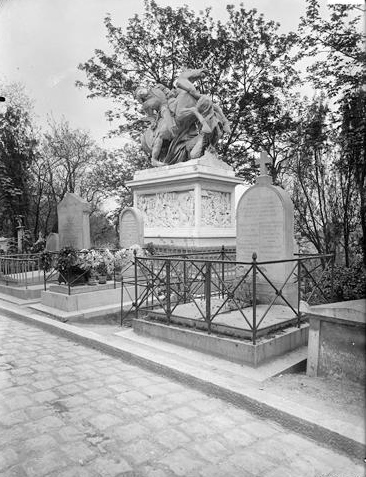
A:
102	271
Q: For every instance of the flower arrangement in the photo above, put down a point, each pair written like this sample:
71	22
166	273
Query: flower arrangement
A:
67	258
120	259
89	259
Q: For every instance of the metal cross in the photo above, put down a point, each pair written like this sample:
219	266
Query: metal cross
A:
262	162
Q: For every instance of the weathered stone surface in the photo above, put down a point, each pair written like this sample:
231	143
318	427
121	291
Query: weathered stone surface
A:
337	340
131	227
53	242
187	204
73	222
265	226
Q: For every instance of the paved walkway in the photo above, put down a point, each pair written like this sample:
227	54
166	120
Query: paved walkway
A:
68	410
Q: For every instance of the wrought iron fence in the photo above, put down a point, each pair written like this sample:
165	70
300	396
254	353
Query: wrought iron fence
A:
217	285
20	269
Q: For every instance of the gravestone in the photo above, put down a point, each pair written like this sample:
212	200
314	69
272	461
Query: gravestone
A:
73	222
131	227
4	243
53	242
265	226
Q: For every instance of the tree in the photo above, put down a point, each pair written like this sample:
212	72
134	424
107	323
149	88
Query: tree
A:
117	168
102	231
337	46
18	149
67	159
250	65
324	192
353	158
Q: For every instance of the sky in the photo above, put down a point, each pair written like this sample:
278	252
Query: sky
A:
43	41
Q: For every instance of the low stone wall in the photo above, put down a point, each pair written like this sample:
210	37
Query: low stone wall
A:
337	343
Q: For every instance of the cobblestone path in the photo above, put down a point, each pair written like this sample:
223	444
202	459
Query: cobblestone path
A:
71	411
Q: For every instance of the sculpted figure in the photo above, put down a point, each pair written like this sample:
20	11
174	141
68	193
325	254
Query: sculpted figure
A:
183	123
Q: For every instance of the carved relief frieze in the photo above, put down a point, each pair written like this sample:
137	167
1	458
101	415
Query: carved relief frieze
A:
216	208
167	209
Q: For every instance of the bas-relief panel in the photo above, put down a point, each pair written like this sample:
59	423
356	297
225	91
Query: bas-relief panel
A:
216	208
167	209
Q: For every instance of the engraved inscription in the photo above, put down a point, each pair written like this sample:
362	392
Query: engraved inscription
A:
261	226
167	209
129	228
70	231
216	208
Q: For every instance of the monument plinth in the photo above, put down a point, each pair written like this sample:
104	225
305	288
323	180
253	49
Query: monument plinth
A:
265	226
189	204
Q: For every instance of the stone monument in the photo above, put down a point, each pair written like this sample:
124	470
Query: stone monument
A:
131	228
188	200
265	226
73	222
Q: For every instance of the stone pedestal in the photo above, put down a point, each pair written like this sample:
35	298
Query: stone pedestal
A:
265	225
190	204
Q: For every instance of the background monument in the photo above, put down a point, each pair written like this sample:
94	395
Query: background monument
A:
73	222
131	228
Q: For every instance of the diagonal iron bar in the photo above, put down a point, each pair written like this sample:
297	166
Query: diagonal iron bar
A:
278	292
315	283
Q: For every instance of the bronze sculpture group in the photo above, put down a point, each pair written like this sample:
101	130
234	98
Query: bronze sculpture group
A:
183	123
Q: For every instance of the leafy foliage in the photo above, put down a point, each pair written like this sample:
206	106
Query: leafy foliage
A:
336	46
18	149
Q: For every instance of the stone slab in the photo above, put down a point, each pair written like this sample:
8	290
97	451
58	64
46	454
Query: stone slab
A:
352	311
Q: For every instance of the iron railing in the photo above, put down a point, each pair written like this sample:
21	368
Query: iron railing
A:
165	282
20	269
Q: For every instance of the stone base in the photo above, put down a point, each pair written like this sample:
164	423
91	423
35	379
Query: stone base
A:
75	290
91	298
239	351
191	204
